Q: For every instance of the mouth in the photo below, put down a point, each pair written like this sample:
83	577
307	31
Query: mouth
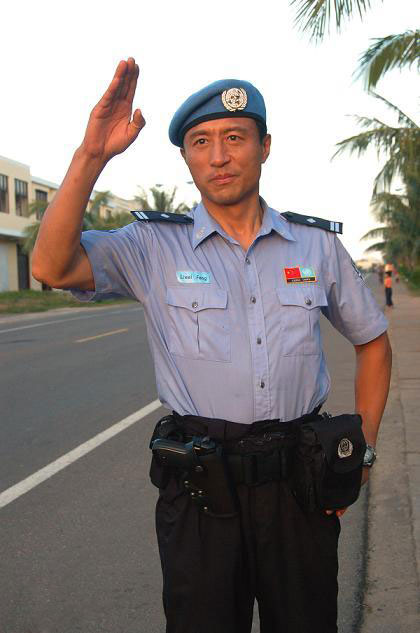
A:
223	179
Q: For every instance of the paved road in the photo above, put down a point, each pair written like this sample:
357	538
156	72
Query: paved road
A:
78	552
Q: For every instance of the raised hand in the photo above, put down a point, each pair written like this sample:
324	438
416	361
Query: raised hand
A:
111	129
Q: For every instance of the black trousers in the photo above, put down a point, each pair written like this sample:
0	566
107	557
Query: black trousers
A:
388	296
215	568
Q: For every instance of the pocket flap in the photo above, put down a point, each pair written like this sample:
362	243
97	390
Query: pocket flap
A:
196	299
342	441
306	296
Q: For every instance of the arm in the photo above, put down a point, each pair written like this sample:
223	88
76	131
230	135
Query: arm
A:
58	258
373	374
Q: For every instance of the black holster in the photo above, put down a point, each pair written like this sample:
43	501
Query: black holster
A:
199	464
328	464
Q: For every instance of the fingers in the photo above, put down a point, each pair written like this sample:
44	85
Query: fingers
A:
136	125
339	513
130	81
115	85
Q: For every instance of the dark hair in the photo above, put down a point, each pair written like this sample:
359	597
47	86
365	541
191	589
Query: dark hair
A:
262	130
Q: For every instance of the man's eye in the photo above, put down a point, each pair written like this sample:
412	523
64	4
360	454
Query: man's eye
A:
233	137
200	141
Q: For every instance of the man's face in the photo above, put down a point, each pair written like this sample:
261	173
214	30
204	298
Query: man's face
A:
224	157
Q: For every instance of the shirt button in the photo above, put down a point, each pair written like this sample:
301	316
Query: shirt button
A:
308	301
259	340
262	384
253	300
247	260
194	304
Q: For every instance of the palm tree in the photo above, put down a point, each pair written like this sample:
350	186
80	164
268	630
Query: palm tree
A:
315	15
161	200
113	221
91	220
386	53
400	144
36	208
400	234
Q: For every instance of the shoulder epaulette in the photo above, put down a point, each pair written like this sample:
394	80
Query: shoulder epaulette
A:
157	216
311	220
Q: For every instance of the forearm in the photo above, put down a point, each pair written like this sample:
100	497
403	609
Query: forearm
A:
58	241
373	373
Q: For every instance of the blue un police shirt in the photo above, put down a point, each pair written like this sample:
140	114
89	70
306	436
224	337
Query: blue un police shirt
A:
235	335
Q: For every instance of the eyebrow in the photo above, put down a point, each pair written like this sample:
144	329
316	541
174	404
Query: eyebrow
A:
235	128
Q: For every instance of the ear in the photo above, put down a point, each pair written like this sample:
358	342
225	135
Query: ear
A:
182	152
266	146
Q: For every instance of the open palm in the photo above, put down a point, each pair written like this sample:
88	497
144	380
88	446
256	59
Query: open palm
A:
110	129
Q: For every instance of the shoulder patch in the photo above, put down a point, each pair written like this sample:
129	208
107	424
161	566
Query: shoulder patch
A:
157	216
311	220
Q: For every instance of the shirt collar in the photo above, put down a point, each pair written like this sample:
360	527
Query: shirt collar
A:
205	224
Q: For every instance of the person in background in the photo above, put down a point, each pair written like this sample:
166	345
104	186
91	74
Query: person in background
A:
388	288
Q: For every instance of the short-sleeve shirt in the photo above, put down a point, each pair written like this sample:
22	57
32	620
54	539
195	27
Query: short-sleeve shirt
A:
236	335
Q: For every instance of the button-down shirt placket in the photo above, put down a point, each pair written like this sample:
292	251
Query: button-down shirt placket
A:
256	325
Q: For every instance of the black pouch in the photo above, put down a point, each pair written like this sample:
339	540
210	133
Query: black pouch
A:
328	463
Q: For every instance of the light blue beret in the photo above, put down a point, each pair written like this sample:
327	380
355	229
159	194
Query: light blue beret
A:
219	100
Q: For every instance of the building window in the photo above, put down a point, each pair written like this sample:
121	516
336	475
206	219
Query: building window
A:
21	197
41	195
4	194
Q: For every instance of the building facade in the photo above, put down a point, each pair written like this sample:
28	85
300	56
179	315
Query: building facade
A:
18	189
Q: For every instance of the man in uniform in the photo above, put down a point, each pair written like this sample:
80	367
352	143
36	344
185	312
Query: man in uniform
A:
232	294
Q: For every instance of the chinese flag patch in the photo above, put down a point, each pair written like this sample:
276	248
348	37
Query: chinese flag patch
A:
299	274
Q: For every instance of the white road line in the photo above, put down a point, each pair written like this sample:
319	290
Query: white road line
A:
92	338
87	316
19	489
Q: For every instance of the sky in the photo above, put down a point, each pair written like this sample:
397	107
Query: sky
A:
58	59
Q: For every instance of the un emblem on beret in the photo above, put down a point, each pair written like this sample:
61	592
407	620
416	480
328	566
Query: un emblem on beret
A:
234	99
345	448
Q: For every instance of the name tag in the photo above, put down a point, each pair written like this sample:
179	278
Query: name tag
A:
299	274
192	277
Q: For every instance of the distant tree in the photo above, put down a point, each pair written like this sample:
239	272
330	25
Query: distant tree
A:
114	221
91	220
400	233
158	199
36	208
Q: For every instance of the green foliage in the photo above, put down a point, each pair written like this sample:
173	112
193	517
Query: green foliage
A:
386	53
161	200
21	301
400	144
37	209
91	220
315	15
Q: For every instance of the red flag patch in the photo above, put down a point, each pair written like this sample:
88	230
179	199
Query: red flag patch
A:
299	274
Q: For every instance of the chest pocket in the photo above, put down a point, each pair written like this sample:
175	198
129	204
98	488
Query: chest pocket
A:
300	310
199	323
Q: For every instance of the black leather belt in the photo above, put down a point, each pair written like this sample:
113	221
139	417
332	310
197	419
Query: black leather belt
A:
257	468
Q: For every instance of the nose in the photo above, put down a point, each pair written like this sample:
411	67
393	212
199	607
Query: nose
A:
219	155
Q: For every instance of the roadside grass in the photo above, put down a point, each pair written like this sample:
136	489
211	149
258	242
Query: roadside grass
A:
36	301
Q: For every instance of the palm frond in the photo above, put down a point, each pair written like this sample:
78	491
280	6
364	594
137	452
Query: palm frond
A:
315	15
403	119
379	246
385	53
380	231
